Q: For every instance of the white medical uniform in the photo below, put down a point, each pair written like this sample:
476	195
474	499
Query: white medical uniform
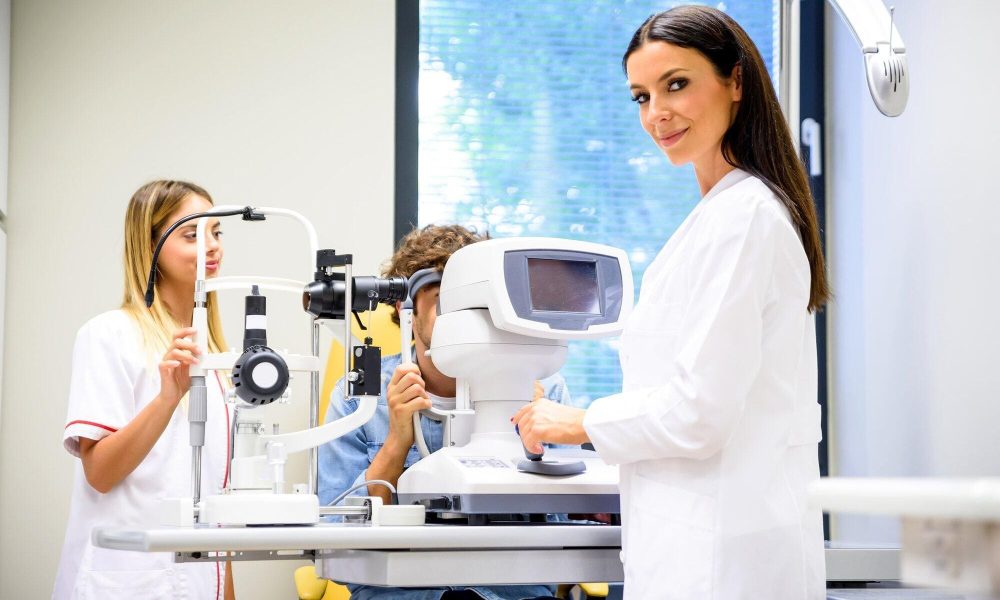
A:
113	379
717	425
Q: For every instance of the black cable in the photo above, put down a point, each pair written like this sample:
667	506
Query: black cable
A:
248	215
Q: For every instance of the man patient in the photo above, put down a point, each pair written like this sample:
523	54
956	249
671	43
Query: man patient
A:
384	447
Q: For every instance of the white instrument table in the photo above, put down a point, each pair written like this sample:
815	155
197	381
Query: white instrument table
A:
341	536
950	527
399	556
411	556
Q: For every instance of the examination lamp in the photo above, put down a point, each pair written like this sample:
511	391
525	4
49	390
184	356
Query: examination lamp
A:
883	50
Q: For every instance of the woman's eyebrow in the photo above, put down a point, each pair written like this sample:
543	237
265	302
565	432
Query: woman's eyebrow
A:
195	224
662	78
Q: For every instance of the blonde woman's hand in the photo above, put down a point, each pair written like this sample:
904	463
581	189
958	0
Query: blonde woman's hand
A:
174	375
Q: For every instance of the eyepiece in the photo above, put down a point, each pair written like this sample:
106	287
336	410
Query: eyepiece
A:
324	298
370	290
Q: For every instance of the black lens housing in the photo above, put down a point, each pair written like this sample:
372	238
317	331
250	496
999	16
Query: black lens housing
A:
325	297
247	386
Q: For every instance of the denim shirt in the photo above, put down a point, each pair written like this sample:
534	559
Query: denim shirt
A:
344	462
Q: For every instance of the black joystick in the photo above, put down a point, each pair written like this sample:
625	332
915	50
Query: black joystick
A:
528	453
536	465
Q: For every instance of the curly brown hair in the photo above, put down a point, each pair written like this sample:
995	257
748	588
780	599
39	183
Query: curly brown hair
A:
428	247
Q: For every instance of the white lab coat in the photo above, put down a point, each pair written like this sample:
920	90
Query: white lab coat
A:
717	426
113	379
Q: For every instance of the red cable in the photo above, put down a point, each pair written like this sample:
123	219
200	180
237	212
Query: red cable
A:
225	478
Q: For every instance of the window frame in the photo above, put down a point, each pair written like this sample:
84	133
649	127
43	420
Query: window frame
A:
811	104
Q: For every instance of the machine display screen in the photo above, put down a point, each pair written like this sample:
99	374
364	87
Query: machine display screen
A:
564	285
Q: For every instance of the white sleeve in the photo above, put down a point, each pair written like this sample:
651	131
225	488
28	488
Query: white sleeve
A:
101	393
693	413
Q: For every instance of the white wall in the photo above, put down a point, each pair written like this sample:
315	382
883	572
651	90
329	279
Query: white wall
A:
261	102
913	231
4	137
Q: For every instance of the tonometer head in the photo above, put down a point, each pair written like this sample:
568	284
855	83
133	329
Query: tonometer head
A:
542	287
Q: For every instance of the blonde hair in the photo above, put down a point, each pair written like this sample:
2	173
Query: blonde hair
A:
146	218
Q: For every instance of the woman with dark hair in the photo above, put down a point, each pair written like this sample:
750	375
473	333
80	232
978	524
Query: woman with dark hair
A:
717	426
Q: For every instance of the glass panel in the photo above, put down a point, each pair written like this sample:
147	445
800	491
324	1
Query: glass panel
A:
564	286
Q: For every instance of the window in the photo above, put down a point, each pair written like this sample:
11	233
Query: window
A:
526	128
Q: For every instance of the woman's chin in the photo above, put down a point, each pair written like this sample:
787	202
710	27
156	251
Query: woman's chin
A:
677	158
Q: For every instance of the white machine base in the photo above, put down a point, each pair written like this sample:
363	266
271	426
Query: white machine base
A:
260	509
482	478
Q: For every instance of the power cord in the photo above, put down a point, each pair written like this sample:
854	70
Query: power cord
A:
383	482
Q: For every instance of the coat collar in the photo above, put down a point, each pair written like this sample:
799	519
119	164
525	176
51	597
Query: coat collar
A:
728	180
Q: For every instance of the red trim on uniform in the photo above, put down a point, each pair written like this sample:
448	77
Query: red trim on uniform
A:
111	429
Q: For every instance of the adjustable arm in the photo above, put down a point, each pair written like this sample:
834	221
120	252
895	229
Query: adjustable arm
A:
317	436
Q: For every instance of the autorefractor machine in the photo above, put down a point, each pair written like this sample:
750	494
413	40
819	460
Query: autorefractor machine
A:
507	309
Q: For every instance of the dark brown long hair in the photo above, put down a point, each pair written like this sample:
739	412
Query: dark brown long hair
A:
758	141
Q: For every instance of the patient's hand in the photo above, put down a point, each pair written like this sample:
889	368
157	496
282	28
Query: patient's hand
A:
406	396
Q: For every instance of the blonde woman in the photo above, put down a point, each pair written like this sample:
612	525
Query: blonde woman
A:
126	419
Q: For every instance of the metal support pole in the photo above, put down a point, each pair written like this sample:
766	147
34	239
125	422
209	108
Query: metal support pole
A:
348	305
314	412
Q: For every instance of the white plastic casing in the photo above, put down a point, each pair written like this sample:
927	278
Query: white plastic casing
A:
260	509
176	512
474	278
